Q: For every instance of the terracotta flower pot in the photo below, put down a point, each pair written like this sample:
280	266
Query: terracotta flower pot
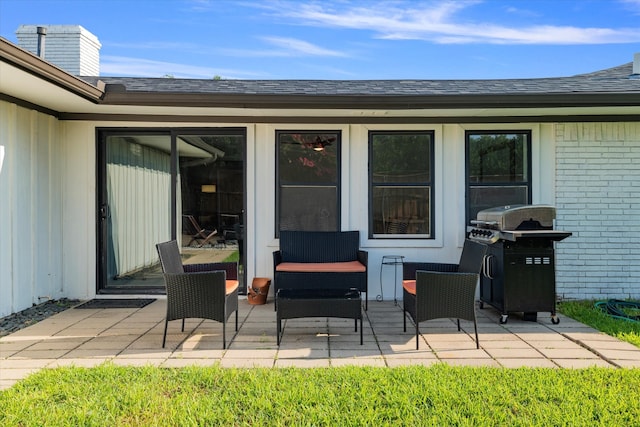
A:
258	291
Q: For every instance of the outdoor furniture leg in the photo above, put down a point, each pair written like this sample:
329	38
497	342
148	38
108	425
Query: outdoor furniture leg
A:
164	337
475	326
278	329
404	320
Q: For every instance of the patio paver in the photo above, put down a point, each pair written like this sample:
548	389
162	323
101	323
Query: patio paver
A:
133	337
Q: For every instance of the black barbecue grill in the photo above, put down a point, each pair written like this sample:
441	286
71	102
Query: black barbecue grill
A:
519	269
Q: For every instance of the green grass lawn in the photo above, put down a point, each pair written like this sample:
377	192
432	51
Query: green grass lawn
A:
407	396
587	313
233	257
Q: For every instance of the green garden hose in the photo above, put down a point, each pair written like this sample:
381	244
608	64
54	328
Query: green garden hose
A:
620	309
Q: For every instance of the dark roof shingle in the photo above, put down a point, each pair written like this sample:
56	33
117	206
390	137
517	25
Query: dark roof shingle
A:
612	80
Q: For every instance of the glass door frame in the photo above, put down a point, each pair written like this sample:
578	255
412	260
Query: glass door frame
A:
101	204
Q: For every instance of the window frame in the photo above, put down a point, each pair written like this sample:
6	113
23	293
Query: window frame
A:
430	184
529	171
279	185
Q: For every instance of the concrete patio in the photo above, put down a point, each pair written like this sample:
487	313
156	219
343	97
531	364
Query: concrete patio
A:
133	337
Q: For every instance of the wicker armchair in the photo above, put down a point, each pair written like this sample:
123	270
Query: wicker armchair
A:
435	291
205	291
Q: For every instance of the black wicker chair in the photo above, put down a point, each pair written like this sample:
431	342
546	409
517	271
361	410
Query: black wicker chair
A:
205	291
435	291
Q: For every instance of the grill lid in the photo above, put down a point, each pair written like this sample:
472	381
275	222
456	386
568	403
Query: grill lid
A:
517	217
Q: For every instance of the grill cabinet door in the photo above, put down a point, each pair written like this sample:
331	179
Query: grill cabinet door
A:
529	279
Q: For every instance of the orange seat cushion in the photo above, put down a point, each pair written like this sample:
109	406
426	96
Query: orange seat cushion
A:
231	286
322	267
409	286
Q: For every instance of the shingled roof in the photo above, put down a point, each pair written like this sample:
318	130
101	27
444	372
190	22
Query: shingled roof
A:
616	80
614	86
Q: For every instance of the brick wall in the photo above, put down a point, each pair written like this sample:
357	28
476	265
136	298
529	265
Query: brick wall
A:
598	199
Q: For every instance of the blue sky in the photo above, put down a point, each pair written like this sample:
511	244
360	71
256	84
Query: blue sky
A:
340	39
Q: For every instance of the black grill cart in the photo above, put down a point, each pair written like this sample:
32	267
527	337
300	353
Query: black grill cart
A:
518	274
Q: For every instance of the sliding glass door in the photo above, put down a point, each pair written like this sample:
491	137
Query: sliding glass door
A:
155	186
211	197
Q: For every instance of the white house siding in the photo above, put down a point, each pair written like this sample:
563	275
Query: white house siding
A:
31	232
598	199
48	183
79	213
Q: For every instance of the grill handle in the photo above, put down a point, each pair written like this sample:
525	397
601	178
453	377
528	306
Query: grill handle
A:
487	266
487	224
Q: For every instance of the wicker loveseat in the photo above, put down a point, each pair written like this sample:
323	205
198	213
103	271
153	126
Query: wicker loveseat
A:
320	260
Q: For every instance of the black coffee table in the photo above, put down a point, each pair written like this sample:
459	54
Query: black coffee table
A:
299	303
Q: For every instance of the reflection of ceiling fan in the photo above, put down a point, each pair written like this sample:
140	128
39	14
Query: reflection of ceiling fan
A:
318	143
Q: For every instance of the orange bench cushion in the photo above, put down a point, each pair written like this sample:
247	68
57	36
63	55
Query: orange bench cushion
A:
322	267
231	286
409	286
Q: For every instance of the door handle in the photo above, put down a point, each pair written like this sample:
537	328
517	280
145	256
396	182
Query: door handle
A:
103	211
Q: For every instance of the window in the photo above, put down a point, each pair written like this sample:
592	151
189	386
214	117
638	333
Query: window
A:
308	187
498	169
400	184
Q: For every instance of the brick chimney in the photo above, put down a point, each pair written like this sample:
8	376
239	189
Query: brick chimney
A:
70	47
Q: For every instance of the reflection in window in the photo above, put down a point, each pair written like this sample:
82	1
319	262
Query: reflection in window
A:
401	180
211	178
498	170
308	181
137	206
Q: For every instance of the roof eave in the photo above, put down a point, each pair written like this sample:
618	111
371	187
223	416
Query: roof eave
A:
36	66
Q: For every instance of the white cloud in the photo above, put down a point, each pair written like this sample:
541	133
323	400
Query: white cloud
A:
283	47
137	67
301	47
155	45
522	12
632	5
201	5
437	22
